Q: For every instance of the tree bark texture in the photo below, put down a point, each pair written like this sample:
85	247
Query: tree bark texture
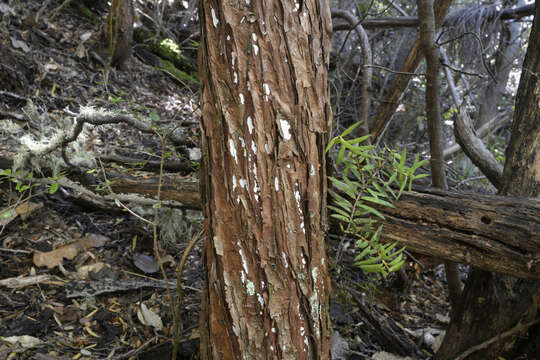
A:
495	233
493	304
119	32
266	121
433	113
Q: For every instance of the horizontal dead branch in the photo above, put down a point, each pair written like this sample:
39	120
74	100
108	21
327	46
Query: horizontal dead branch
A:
412	21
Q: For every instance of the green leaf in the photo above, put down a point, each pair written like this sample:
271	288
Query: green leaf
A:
330	144
377	201
340	155
372	268
53	188
368	261
364	253
396	266
338	210
342	186
350	129
371	210
345	219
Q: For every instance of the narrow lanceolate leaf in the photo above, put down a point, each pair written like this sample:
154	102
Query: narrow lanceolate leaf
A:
340	155
371	210
339	211
350	129
342	218
342	186
372	268
377	201
368	261
367	251
396	266
338	197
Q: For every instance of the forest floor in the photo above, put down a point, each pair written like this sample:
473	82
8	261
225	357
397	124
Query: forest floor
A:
79	280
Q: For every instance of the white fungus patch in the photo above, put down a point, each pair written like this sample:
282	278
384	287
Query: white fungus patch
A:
241	98
285	128
244	262
243	143
314	274
243	183
242	276
266	91
234	182
250	124
312	170
273	330
284	259
250	287
235	77
249	85
254	149
255	49
271	348
215	20
228	37
233	58
233	150
315	314
261	299
254	37
267	148
276	183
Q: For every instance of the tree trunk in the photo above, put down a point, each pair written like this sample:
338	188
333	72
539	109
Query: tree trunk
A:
494	304
119	32
433	113
266	121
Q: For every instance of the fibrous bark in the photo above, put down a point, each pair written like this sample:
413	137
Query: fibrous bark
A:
266	120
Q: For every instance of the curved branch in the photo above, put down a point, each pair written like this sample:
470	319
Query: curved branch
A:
471	144
367	59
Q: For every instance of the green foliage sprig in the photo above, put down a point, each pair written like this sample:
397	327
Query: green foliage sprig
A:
369	178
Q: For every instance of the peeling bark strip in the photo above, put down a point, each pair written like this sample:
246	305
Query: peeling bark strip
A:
266	121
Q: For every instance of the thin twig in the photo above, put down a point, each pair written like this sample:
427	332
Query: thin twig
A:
179	290
394	71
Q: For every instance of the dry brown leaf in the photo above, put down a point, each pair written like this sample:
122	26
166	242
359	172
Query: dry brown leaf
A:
55	257
22	281
82	272
27	208
148	317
